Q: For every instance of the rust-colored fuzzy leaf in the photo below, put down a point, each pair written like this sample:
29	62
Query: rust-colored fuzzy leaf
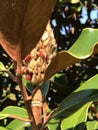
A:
61	61
22	23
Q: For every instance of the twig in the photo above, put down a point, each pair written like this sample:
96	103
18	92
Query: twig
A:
37	106
10	75
27	101
47	119
45	108
20	118
26	98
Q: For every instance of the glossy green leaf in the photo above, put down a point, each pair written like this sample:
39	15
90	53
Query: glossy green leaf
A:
17	125
53	124
3	128
92	125
44	89
22	129
85	93
29	85
15	111
2	116
2	67
77	120
85	46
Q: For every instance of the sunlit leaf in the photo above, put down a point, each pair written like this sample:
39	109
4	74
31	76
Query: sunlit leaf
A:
53	124
17	125
2	116
92	125
15	111
85	46
85	93
23	28
77	120
22	129
3	128
2	67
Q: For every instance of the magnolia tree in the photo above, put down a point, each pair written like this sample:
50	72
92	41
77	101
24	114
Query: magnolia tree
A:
28	38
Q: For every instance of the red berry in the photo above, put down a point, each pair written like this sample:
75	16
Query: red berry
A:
23	70
42	54
27	58
28	77
47	57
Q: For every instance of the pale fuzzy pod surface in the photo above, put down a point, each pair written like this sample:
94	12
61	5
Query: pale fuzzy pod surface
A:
36	63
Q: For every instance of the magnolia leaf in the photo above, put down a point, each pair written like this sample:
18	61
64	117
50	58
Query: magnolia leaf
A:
77	120
29	85
3	116
85	93
22	23
3	128
45	89
92	125
2	67
85	46
53	124
17	125
15	111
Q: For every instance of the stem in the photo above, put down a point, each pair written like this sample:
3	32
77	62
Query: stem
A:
20	118
45	109
47	119
26	98
37	106
10	75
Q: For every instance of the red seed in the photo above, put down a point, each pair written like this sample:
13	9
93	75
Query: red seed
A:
27	58
42	54
47	57
28	77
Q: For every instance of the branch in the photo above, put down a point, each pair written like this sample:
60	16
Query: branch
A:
27	101
26	98
10	75
47	119
20	118
37	106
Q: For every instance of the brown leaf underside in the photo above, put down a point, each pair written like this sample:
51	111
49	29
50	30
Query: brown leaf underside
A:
67	60
22	24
